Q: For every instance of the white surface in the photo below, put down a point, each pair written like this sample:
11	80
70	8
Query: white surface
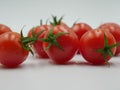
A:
35	74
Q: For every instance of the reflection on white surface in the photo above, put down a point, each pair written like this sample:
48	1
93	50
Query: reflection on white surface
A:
37	74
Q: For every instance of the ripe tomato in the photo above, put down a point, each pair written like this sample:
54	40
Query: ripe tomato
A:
115	30
97	46
11	51
60	46
60	43
4	28
37	46
80	29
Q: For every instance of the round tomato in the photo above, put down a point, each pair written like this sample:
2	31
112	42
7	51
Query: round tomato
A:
115	30
4	28
60	46
11	51
38	45
60	43
80	29
97	46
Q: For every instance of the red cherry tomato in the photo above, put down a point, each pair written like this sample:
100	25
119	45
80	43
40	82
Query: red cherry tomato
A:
38	45
4	28
60	46
11	51
60	43
96	46
115	30
80	29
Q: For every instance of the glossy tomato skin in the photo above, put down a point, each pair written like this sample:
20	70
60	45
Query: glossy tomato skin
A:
92	41
115	30
4	28
81	28
38	45
62	26
11	51
37	29
69	43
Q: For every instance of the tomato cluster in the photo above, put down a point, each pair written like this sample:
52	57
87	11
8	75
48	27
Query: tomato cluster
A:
60	43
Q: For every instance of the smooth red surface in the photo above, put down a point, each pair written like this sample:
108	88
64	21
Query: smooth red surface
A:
69	43
4	28
92	41
11	51
81	28
38	45
115	30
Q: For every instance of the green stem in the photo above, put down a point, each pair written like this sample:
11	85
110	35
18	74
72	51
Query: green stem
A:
106	50
51	38
55	21
41	22
28	41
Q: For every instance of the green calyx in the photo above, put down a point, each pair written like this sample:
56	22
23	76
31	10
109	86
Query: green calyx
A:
51	38
27	42
41	22
55	21
106	50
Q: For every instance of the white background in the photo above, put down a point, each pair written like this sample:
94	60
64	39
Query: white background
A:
38	74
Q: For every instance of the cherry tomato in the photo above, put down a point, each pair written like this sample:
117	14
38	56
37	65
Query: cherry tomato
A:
11	51
4	28
60	46
60	43
115	30
38	45
97	46
80	29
